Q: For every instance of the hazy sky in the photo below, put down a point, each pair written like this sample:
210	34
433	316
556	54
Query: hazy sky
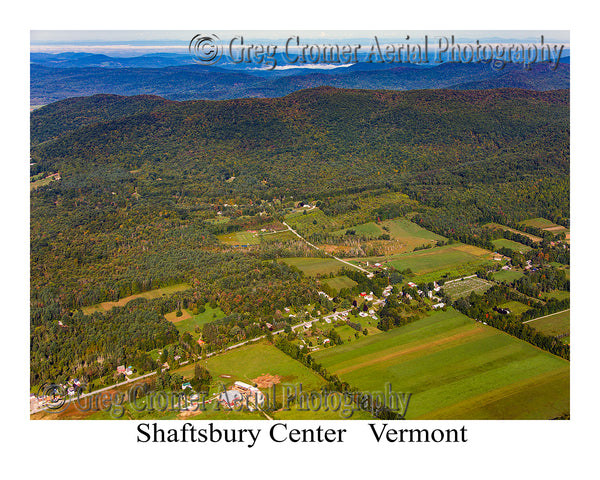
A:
180	38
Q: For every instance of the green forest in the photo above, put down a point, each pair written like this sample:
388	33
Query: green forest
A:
147	185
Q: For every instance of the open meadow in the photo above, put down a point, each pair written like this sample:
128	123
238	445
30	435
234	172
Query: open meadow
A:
434	259
313	266
456	368
516	246
149	295
555	324
337	283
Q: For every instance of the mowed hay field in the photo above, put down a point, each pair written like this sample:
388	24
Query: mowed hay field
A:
456	369
545	224
516	246
149	295
240	238
337	283
556	324
312	266
437	258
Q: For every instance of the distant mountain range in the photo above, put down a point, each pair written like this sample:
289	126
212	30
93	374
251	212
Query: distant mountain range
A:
176	77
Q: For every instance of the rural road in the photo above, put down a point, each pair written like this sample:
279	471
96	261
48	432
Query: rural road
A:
326	253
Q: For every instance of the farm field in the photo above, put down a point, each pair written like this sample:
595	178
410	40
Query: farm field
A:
239	238
539	222
463	288
546	225
508	276
556	324
337	283
435	259
516	246
282	236
558	294
369	230
496	226
149	295
456	368
403	229
312	266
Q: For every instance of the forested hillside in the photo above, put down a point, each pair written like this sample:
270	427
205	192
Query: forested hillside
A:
147	186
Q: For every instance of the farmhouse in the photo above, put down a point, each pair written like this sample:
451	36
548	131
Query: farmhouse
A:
438	305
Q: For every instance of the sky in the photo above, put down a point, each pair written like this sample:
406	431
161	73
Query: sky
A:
136	42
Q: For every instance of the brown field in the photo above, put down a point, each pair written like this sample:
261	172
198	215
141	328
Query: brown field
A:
172	317
149	295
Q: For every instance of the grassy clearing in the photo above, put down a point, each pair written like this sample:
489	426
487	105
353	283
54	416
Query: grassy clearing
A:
555	324
369	230
190	323
446	361
558	294
312	266
337	283
508	276
435	259
240	238
404	229
539	222
149	295
505	243
496	226
44	181
284	236
516	308
463	288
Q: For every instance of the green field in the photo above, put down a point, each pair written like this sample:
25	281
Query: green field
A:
283	236
190	324
555	324
313	266
149	295
558	294
456	368
435	259
369	230
248	363
508	276
337	283
516	308
516	246
463	288
539	222
240	238
315	221
404	229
